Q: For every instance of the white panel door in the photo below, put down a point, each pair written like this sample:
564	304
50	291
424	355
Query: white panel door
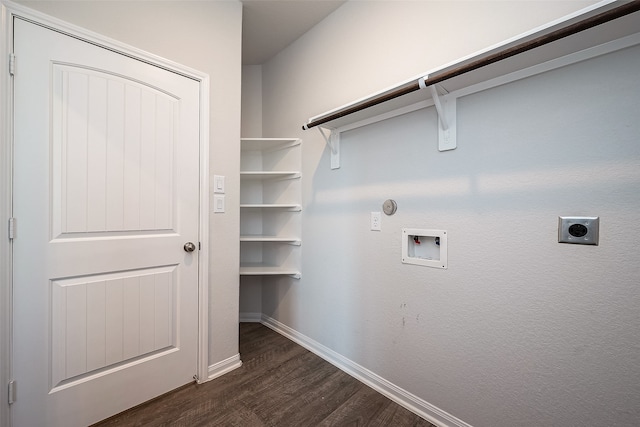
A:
106	194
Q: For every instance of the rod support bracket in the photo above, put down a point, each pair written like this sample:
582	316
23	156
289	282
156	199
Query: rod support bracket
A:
446	109
333	142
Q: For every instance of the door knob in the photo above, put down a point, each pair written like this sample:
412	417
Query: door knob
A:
189	247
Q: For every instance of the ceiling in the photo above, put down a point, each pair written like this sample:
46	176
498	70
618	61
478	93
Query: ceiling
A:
268	26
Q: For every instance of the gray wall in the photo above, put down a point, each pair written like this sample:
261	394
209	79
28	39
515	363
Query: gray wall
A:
519	330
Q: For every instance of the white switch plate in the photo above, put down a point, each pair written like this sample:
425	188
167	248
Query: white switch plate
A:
376	219
218	203
218	184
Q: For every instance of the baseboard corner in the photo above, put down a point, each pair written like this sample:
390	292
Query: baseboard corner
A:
250	317
224	366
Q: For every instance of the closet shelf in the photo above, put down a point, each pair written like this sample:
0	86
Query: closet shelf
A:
259	175
270	239
582	31
257	269
266	144
286	206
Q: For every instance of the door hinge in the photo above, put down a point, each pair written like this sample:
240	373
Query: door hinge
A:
13	391
12	228
12	64
199	246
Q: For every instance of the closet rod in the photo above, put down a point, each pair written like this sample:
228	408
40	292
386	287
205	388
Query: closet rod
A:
618	12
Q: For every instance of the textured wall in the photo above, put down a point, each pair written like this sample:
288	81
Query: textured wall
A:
519	330
205	36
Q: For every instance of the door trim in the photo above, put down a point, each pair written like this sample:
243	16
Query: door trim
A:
9	10
5	214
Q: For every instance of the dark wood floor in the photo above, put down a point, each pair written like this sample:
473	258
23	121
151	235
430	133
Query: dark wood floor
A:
279	384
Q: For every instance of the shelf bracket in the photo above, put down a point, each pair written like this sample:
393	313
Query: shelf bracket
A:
333	142
295	276
446	109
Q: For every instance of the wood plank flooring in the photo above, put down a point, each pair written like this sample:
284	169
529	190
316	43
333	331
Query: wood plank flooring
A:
279	384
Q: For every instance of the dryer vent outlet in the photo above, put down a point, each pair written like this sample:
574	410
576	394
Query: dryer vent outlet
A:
581	230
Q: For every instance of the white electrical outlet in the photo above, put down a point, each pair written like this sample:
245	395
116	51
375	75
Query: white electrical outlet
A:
376	219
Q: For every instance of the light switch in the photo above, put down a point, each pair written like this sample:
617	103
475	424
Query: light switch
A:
218	203
218	184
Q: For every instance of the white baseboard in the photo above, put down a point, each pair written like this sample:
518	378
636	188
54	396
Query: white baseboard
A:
251	317
403	398
224	366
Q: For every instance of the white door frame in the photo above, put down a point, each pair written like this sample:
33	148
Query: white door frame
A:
8	10
5	212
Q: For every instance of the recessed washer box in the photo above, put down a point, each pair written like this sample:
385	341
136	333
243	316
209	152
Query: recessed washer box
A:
424	247
583	230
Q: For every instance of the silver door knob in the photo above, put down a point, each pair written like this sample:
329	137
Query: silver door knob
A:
189	247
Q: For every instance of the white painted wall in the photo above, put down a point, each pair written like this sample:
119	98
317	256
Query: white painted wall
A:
251	286
205	36
251	101
519	330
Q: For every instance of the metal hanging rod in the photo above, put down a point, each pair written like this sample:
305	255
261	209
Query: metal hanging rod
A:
624	9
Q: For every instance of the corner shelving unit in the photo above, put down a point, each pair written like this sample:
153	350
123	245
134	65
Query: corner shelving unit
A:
270	206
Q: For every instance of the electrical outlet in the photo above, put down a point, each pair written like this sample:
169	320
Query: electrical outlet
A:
582	230
376	219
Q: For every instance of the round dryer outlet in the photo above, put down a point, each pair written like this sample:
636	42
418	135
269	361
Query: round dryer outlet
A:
389	207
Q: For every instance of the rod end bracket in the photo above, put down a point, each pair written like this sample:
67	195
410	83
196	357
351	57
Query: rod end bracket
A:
447	138
446	109
333	142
